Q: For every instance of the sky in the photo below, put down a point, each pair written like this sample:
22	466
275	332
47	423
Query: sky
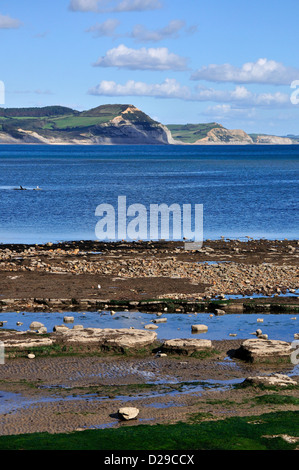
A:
192	61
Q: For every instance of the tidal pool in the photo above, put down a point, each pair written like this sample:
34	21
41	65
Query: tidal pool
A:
178	325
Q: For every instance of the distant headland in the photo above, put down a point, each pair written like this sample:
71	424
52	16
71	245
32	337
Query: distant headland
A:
116	124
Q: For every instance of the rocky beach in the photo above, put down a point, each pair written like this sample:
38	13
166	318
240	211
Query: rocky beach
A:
78	378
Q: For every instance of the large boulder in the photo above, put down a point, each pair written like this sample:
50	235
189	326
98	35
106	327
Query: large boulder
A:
274	380
89	339
186	346
109	338
264	350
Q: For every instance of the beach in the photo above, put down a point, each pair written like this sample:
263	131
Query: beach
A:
62	392
148	270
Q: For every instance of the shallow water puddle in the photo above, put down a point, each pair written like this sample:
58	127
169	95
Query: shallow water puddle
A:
178	325
11	402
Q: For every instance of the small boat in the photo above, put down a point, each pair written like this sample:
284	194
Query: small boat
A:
25	189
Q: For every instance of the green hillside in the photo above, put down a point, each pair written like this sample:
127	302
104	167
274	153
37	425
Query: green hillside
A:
58	123
190	133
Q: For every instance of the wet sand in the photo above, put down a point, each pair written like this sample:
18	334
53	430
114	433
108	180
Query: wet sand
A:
63	394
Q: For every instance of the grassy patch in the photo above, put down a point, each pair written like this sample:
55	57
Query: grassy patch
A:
276	400
190	133
240	433
77	121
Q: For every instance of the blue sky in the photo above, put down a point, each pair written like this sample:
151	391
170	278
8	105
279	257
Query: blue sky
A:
179	61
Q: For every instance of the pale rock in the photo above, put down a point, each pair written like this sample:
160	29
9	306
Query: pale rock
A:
128	412
279	380
35	325
263	350
186	346
68	319
199	328
160	320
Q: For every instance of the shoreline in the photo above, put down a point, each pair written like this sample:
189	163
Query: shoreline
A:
233	275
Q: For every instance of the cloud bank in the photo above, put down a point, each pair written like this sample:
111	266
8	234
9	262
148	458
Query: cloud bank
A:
263	71
171	88
100	6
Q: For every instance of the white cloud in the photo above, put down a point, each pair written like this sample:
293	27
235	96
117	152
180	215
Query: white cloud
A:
170	88
224	111
107	28
142	34
6	22
240	97
142	59
138	5
114	5
262	71
84	5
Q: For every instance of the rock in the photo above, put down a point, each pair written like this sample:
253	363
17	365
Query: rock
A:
260	320
18	340
78	327
60	329
128	412
263	336
258	332
160	320
150	327
199	328
263	350
218	311
19	323
42	330
110	338
31	356
68	319
35	325
279	380
296	335
185	346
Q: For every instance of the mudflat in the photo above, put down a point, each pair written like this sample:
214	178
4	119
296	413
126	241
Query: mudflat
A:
148	270
63	394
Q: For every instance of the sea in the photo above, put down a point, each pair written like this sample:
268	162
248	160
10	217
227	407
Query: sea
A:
245	191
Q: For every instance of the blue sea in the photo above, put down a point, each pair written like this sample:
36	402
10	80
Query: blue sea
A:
245	190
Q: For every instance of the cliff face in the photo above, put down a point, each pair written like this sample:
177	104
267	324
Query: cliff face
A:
109	124
273	139
219	135
131	127
225	136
